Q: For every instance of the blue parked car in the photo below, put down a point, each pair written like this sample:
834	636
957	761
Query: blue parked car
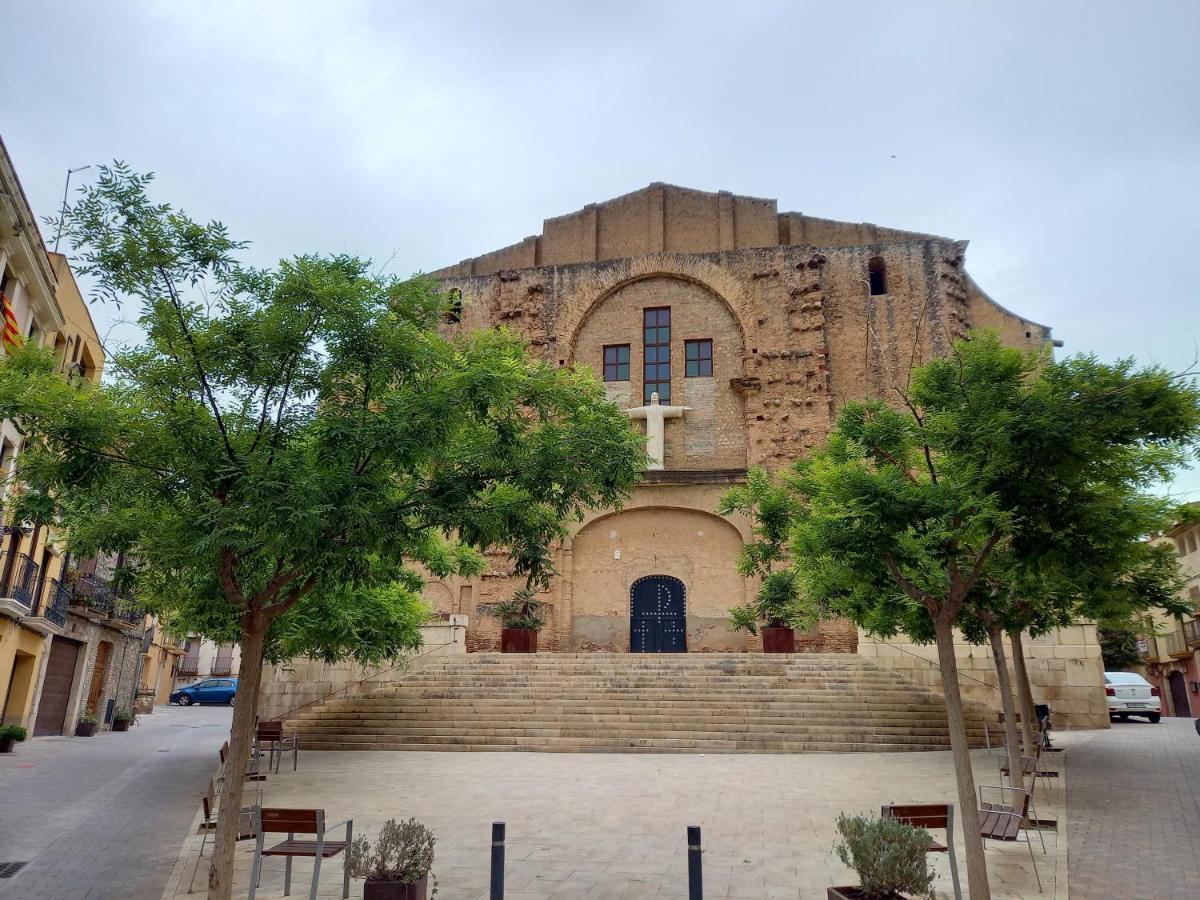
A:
210	690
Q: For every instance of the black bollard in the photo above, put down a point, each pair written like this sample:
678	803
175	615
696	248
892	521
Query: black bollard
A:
497	861
695	880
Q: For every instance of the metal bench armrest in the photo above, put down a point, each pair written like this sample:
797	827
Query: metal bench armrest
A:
347	823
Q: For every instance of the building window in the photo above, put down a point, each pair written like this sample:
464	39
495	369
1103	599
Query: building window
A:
697	357
656	369
877	273
616	362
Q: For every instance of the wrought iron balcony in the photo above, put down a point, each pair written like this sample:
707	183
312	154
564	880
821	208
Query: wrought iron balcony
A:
1191	633
22	577
93	594
188	665
54	602
223	665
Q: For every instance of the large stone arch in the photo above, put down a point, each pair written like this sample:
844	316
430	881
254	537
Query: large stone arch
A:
601	281
713	435
614	550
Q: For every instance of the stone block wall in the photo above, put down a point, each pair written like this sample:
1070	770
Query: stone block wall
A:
1065	671
299	682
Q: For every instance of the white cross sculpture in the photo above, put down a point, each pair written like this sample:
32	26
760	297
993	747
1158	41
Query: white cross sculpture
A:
656	415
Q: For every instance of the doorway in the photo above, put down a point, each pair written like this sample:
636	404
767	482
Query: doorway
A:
1179	695
56	687
658	615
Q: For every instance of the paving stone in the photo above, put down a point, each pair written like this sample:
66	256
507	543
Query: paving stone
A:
103	818
1134	811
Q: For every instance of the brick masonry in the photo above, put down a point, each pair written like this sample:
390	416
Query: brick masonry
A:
796	333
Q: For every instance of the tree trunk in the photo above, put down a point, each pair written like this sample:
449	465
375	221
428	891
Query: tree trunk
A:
241	742
1024	693
968	803
1015	776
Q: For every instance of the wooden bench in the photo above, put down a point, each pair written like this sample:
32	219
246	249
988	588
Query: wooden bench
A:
208	809
270	735
930	815
251	770
292	822
1005	821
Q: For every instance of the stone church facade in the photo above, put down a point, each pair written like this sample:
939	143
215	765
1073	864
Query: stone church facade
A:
762	325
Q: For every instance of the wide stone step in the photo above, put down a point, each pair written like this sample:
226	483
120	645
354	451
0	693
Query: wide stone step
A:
685	703
672	729
568	745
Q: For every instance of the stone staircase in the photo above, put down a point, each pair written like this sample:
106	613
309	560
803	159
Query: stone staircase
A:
629	703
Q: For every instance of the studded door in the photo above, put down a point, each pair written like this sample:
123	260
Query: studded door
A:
658	615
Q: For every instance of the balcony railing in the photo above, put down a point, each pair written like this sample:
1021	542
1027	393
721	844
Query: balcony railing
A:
188	665
1191	632
22	578
54	602
92	593
223	665
1171	644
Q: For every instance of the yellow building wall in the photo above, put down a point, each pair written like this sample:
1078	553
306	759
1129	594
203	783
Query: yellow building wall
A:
21	654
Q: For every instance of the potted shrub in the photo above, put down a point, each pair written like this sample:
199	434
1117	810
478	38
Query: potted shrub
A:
396	866
520	622
777	611
123	718
9	735
87	725
889	857
778	608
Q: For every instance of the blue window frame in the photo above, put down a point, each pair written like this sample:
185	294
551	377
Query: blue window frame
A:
656	365
616	362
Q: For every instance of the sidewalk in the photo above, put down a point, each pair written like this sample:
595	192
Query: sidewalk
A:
103	818
613	825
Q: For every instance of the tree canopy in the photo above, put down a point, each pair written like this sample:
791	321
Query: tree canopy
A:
288	451
1003	492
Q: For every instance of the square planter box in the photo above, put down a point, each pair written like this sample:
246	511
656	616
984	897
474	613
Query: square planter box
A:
394	890
855	893
518	640
779	640
85	729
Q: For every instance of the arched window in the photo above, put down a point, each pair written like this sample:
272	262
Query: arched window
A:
877	273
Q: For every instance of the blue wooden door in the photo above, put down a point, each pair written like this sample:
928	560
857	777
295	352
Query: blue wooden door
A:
658	615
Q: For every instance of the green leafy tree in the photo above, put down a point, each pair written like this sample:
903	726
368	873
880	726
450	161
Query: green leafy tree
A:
928	518
285	447
778	603
1119	647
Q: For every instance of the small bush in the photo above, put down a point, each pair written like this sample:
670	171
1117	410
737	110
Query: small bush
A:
403	852
89	718
124	714
12	732
522	611
888	855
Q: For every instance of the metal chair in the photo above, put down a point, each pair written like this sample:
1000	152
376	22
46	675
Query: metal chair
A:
1004	821
291	822
208	806
269	735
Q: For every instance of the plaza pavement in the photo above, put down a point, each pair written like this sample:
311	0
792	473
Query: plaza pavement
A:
104	817
613	825
1134	820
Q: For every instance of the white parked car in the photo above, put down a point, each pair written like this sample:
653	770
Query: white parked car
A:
1130	694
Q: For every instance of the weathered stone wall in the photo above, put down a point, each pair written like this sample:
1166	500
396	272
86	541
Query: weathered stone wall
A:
664	217
796	332
1065	671
288	687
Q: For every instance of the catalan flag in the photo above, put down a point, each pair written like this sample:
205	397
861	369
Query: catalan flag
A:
12	335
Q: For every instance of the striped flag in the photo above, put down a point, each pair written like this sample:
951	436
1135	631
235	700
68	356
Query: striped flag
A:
12	335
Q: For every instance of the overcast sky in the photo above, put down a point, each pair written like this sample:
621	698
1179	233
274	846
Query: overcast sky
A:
1061	139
